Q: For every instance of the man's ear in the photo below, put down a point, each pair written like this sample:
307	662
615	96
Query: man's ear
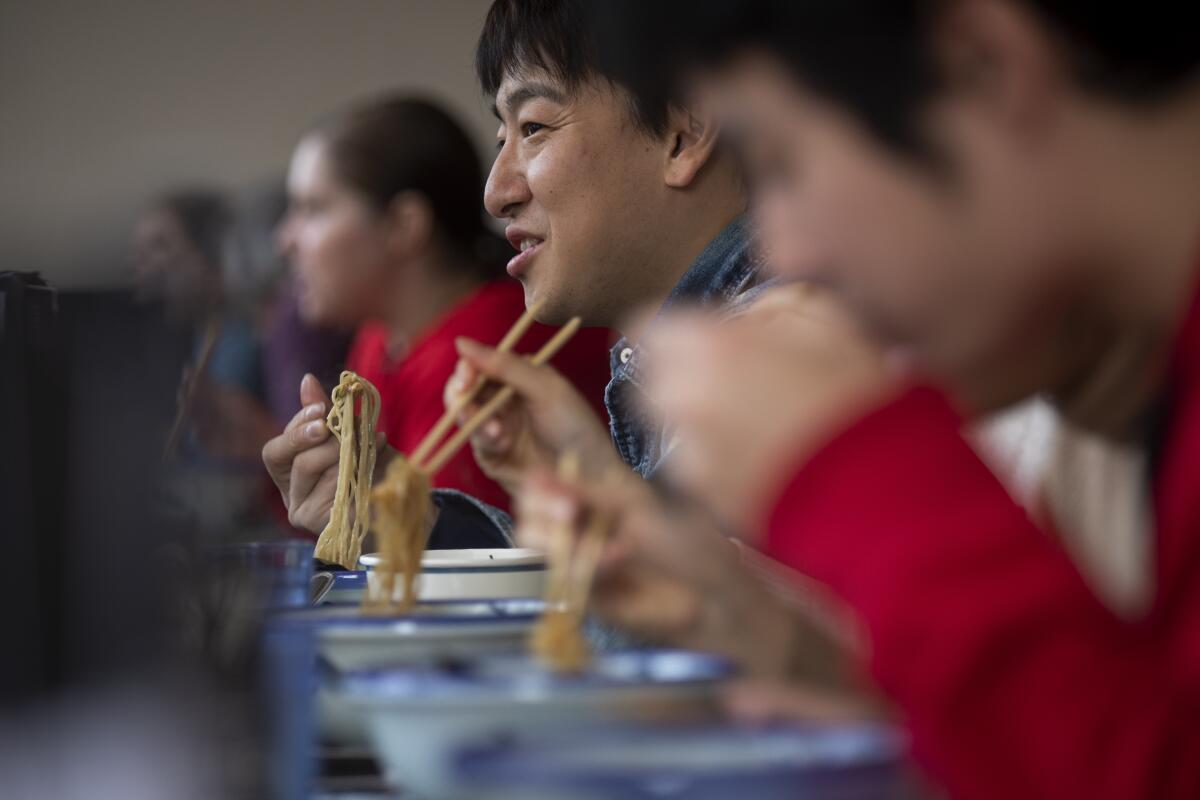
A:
996	56
409	221
692	139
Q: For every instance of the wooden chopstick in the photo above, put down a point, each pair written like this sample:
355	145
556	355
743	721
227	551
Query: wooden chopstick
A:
443	425
586	561
558	548
501	397
193	385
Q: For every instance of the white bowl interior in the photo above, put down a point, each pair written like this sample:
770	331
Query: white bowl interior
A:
471	558
472	574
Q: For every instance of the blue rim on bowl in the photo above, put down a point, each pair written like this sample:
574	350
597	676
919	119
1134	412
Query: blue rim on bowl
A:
859	760
349	579
524	677
434	613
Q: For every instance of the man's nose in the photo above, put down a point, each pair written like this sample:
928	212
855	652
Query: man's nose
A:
507	189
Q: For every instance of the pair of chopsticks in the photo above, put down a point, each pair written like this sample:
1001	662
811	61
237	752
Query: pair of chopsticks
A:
431	464
188	399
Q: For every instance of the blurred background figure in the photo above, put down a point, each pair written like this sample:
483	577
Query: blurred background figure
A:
291	346
183	245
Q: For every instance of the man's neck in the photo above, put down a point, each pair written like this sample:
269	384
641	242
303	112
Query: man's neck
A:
1149	217
1150	252
672	266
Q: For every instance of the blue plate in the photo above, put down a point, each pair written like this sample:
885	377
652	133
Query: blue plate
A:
348	587
524	676
830	762
429	612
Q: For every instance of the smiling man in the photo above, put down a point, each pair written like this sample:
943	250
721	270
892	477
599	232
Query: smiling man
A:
615	206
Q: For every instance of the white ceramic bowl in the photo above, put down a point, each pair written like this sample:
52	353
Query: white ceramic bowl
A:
473	574
434	633
431	633
418	717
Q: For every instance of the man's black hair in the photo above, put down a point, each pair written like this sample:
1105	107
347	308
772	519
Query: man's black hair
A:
556	36
874	57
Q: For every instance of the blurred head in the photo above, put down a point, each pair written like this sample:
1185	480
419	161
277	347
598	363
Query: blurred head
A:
179	243
602	194
935	163
373	194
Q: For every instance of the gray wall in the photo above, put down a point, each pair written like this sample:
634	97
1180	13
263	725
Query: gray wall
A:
105	102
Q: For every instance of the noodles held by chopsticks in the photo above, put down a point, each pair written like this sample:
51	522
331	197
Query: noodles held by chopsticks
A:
401	504
349	519
401	501
558	638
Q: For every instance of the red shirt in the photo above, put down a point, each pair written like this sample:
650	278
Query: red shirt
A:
1014	679
411	386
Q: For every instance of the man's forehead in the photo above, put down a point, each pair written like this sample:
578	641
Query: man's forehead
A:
526	83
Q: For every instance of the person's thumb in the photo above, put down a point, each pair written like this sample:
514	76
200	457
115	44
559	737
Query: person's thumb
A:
311	391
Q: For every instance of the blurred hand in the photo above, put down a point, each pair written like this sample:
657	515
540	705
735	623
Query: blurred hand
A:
303	460
230	422
750	397
668	575
546	417
780	702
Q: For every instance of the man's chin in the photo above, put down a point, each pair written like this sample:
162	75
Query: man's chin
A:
552	311
532	295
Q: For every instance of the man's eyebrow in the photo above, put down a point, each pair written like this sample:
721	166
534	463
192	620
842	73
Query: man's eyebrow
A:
523	94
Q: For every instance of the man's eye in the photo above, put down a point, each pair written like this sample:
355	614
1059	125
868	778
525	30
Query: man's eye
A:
530	128
499	145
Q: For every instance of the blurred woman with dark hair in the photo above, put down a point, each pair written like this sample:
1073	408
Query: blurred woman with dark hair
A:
385	230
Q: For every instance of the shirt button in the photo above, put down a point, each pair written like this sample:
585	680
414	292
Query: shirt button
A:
626	354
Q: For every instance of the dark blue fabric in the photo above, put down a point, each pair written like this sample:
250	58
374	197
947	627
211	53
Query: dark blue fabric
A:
720	277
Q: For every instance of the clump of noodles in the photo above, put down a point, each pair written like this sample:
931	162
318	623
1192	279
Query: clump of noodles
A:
401	506
349	519
558	641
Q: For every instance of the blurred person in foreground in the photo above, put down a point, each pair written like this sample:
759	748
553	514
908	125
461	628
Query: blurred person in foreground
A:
385	232
1031	177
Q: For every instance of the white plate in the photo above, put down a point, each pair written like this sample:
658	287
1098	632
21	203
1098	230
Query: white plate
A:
473	574
417	717
431	633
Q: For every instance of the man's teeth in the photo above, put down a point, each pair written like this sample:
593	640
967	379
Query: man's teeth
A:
528	243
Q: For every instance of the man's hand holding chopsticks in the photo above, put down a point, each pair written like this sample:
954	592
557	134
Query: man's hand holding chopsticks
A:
546	417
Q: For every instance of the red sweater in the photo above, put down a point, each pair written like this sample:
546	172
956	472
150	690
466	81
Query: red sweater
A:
411	386
1015	681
